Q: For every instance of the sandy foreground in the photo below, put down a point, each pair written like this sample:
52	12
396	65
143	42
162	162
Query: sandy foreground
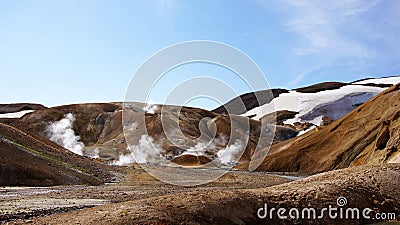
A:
233	199
27	204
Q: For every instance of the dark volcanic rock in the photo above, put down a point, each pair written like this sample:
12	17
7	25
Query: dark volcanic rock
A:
278	117
17	107
326	121
378	85
321	87
248	101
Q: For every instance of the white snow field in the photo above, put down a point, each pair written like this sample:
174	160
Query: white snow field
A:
385	80
15	114
311	107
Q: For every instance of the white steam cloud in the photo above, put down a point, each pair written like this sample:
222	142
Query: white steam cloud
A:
145	152
124	160
148	152
61	132
152	109
202	147
231	154
198	149
96	154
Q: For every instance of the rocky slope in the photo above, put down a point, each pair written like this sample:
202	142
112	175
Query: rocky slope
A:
89	123
369	134
99	127
17	107
29	160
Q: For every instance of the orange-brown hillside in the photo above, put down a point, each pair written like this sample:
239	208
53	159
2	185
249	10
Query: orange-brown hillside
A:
99	126
369	134
29	160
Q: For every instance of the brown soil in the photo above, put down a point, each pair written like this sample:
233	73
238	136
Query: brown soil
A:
27	202
191	160
8	120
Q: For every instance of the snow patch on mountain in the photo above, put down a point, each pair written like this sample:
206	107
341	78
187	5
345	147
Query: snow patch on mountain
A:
385	80
15	114
306	130
311	107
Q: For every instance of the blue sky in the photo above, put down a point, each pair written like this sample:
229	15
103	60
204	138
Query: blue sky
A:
58	52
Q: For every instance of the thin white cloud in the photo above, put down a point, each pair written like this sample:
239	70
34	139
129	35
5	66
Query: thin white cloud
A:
321	23
300	76
296	80
337	32
350	38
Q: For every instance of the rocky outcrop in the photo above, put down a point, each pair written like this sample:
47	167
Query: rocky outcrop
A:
278	117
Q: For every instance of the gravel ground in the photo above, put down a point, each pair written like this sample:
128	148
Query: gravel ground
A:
20	204
237	197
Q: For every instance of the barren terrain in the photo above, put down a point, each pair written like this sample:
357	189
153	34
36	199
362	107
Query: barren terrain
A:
28	204
355	158
232	199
